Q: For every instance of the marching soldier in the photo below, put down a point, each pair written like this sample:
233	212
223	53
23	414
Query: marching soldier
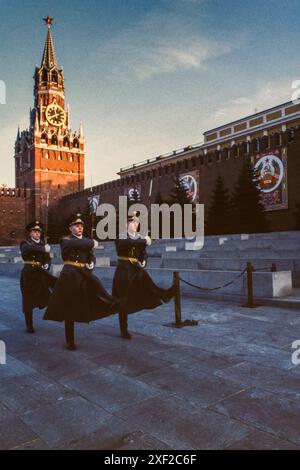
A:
79	295
36	282
132	285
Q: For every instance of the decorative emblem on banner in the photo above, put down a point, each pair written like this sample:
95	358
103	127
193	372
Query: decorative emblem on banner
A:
134	194
270	172
189	183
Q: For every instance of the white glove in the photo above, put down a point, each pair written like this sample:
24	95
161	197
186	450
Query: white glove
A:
148	240
90	265
95	243
45	266
47	248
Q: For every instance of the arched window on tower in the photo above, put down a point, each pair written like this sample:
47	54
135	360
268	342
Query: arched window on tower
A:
44	139
54	77
44	76
54	140
66	142
76	144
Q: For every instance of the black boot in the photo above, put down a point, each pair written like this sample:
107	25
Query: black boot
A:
29	321
124	325
69	333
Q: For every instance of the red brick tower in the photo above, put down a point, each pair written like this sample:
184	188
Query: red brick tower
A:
49	157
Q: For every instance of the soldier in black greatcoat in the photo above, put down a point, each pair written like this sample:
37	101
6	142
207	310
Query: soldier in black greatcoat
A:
79	295
36	282
132	285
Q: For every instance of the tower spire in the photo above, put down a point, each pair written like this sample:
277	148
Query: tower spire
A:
49	56
81	130
36	122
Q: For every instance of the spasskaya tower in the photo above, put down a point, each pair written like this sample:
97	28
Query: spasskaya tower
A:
49	156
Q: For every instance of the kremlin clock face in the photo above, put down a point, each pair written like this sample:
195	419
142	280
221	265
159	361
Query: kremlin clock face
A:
55	115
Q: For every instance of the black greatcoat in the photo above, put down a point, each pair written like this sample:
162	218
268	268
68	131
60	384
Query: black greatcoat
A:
132	284
36	282
79	295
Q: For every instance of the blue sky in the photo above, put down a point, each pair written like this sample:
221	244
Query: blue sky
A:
148	76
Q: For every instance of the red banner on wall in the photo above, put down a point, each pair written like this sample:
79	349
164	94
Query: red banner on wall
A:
271	169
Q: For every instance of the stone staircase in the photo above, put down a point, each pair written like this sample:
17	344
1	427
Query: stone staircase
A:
232	252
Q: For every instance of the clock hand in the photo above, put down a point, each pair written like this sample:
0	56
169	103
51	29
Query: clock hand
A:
55	116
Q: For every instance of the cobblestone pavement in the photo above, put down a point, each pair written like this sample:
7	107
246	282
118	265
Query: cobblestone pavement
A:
227	383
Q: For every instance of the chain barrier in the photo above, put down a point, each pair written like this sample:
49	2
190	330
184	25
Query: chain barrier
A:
250	297
214	288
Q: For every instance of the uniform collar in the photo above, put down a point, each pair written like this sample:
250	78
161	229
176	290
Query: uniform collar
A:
75	236
35	241
134	235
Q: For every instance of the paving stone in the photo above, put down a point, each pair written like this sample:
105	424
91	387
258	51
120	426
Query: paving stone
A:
19	342
13	432
264	410
66	420
35	444
262	354
184	426
185	336
14	368
191	384
111	390
142	441
130	363
227	383
25	393
60	363
277	381
115	434
259	440
111	335
104	338
206	361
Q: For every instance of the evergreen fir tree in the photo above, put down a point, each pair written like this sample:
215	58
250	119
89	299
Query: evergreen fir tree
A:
248	210
159	198
219	215
179	193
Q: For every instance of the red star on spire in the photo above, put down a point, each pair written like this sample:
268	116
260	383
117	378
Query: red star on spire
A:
48	20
